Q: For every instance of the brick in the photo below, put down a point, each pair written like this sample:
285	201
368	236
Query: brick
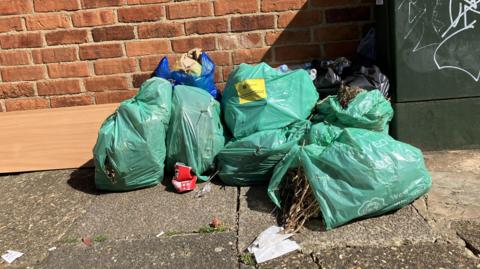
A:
93	18
37	56
27	40
189	10
218	75
15	90
136	2
238	41
20	73
114	66
10	24
101	3
68	70
13	7
113	97
67	101
149	63
123	32
347	14
334	50
300	19
162	29
205	26
52	5
138	79
47	21
251	55
66	37
26	104
221	86
254	22
226	70
99	84
275	5
186	44
297	53
58	87
148	47
14	58
223	7
55	55
336	33
90	52
140	14
287	37
220	57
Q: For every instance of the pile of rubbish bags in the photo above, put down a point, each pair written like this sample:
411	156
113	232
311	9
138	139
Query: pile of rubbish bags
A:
267	122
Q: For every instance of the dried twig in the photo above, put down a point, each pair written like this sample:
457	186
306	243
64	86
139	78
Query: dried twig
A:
346	94
299	201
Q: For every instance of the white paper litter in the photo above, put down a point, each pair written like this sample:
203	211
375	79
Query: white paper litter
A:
11	255
271	244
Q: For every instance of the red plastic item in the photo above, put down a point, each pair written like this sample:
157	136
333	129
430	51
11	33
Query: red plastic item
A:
184	179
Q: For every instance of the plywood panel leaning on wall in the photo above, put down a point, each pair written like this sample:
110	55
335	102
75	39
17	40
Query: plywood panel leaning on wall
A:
50	138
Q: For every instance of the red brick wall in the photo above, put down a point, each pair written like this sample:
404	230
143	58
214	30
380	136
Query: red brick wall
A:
80	52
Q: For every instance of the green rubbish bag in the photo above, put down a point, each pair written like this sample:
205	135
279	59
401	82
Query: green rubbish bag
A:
258	98
360	174
130	149
251	160
368	110
195	134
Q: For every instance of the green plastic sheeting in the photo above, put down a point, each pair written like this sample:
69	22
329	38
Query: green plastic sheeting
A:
323	134
195	134
258	98
368	110
361	173
130	149
251	159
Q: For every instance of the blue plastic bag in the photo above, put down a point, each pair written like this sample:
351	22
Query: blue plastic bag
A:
205	81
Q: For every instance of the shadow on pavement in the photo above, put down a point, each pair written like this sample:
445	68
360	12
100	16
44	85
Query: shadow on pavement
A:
83	179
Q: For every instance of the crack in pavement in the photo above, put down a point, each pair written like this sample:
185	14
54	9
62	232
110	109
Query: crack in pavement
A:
469	247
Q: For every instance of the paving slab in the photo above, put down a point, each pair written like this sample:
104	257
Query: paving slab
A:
469	231
255	214
404	256
147	212
454	196
453	161
36	210
292	260
399	227
216	250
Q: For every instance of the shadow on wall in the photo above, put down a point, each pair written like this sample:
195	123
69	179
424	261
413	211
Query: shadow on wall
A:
287	32
320	29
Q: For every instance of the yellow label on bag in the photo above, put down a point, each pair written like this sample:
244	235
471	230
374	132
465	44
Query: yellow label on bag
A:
251	90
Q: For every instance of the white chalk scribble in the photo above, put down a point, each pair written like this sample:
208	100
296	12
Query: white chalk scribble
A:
454	37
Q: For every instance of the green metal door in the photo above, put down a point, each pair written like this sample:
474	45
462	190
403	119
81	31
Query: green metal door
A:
431	51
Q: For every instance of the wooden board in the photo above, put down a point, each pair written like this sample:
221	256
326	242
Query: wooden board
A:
50	138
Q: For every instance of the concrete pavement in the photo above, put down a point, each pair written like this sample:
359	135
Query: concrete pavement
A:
155	227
